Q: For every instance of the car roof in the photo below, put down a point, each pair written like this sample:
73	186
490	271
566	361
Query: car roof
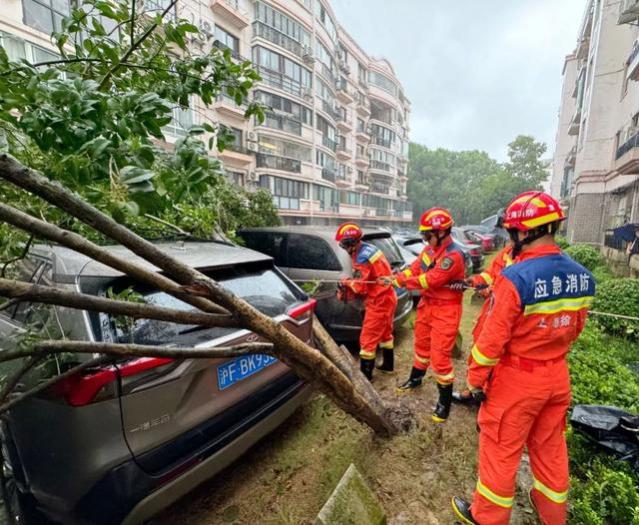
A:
327	232
68	264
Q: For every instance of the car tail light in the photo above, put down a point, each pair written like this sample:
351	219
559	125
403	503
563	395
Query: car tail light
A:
303	311
85	388
475	252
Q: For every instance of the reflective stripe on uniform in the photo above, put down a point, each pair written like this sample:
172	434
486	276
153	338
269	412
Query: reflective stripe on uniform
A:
423	281
501	501
422	360
445	379
426	259
508	259
386	344
375	256
554	496
367	355
571	304
396	283
486	277
481	359
408	272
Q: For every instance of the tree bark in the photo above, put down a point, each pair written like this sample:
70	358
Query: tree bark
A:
81	245
50	295
306	361
134	350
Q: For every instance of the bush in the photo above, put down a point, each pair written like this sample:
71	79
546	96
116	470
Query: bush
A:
602	274
562	242
618	296
607	495
586	255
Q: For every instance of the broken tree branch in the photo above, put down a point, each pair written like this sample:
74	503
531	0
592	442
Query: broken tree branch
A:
55	296
81	245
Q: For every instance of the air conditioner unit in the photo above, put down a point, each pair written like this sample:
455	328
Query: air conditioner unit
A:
253	177
307	93
307	55
206	28
252	146
251	136
629	12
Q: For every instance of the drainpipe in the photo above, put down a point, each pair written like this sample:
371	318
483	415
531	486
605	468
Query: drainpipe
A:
313	79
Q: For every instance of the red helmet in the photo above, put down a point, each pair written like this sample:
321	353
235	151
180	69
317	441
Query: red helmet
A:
436	219
530	210
349	231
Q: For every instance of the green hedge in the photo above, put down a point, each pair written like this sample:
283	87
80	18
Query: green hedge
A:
618	296
586	255
562	242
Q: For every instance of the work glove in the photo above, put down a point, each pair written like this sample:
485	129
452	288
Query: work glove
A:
459	286
385	280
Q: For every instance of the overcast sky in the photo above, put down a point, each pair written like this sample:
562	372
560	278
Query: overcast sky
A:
478	73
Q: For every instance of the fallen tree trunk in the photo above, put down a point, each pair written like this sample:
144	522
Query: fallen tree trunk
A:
362	403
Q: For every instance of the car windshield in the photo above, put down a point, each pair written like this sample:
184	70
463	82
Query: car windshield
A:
264	289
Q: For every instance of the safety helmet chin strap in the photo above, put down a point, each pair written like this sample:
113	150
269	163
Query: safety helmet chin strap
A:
440	239
532	236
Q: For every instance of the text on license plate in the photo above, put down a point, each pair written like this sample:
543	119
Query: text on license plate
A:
240	368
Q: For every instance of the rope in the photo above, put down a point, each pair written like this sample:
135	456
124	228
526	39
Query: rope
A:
618	316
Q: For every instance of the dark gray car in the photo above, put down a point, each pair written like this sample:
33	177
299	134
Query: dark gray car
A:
310	253
119	442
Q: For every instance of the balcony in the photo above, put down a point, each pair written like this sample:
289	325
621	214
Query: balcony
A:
344	94
275	162
383	189
364	107
329	174
344	122
283	123
328	75
280	81
627	156
575	123
236	154
343	152
230	10
329	143
629	12
225	105
383	212
362	135
362	160
379	141
381	166
278	38
330	110
632	72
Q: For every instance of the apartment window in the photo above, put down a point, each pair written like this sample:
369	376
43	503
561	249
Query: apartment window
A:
361	151
182	120
382	81
284	66
282	23
361	177
236	177
227	39
382	136
327	197
286	193
285	105
322	15
283	148
325	160
18	49
326	128
237	138
45	15
362	73
382	156
361	126
324	91
351	198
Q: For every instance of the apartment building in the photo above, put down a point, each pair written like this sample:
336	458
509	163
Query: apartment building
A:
334	145
596	161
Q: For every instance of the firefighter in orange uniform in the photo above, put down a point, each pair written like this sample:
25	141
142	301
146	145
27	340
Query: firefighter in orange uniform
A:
518	367
439	309
369	265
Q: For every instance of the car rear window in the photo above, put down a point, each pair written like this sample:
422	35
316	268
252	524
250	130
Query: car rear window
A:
313	253
263	289
269	243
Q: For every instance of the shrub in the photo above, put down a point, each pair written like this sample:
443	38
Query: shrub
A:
602	274
586	255
606	496
618	296
562	242
598	375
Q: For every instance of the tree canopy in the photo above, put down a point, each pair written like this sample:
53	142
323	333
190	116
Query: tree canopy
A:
471	184
95	120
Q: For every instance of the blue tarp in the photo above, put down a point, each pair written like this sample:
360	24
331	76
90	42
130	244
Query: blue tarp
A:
625	232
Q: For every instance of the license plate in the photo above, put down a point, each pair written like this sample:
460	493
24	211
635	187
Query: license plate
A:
240	368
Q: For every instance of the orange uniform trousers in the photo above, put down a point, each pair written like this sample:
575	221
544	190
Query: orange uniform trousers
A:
436	325
526	405
377	328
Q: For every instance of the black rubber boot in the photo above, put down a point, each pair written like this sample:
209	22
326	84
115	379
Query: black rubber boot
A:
461	508
367	366
442	409
414	381
388	364
465	398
